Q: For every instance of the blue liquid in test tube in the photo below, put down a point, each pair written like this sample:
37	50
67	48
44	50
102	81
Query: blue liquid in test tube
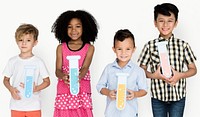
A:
74	73
29	80
28	86
74	85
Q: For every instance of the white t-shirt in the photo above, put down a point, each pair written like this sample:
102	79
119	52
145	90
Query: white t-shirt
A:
15	70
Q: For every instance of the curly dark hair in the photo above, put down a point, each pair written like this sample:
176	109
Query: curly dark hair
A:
89	24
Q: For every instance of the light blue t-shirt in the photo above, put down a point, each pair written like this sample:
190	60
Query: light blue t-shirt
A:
135	81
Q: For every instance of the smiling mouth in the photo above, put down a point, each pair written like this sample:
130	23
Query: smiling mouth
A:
165	29
23	47
123	57
74	36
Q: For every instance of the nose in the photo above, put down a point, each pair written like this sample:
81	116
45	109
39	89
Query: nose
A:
24	42
73	28
123	51
165	23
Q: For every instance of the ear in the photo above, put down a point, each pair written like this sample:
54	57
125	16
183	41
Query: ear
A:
155	23
176	23
134	49
113	48
35	43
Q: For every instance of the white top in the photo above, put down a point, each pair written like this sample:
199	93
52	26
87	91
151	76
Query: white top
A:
15	70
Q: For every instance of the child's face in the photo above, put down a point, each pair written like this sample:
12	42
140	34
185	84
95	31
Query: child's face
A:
74	29
165	24
124	50
26	42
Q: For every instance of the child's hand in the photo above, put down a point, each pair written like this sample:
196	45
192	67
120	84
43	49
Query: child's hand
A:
157	74
130	95
21	84
66	78
34	86
80	76
14	92
112	94
35	89
175	78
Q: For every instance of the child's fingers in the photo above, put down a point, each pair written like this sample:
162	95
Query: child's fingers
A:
16	97
130	94
15	94
21	84
129	97
66	81
65	78
112	94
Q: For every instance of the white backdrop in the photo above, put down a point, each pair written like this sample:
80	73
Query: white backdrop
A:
112	15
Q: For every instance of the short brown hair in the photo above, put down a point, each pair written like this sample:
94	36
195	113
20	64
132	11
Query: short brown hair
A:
26	29
122	34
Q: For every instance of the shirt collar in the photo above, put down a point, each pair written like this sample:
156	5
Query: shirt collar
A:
163	39
129	64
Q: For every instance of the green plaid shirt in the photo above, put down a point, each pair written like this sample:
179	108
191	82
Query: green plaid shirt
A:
180	55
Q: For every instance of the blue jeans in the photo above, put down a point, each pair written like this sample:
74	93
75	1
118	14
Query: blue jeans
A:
168	109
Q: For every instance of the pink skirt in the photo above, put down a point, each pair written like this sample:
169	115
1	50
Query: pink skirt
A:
81	112
68	105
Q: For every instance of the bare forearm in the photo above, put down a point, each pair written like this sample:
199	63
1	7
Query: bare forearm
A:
105	91
6	83
154	75
149	74
43	85
59	74
140	93
83	72
189	73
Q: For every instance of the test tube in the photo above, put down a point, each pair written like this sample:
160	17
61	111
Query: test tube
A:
29	80
164	59
121	90
73	74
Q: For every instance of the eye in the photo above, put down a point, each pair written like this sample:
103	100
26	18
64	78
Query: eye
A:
20	40
69	26
78	26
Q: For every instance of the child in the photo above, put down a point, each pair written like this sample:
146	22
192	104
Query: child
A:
26	37
124	47
75	30
168	94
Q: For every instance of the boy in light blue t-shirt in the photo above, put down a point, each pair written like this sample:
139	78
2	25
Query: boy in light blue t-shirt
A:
124	47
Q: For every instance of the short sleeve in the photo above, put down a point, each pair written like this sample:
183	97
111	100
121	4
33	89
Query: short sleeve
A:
189	55
142	80
43	70
144	55
102	83
7	70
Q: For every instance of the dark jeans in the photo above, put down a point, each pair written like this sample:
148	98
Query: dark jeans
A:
168	109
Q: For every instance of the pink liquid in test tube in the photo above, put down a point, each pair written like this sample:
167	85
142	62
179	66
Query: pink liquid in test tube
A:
164	59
